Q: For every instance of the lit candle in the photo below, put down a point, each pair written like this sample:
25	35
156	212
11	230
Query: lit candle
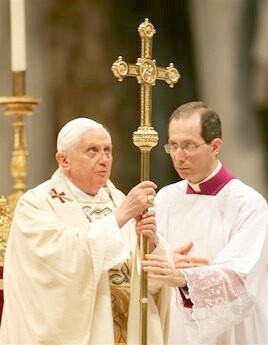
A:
18	44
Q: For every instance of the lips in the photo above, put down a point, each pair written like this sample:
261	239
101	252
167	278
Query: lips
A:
182	169
102	172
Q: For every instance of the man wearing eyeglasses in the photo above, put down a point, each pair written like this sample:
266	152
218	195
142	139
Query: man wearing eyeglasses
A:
217	227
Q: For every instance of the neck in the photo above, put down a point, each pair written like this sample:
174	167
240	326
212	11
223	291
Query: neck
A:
215	166
80	188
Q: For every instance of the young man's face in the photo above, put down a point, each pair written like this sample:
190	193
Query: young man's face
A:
194	165
89	164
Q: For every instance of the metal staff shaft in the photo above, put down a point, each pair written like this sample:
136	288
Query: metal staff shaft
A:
146	72
144	247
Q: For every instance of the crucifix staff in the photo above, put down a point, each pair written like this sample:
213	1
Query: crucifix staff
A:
147	72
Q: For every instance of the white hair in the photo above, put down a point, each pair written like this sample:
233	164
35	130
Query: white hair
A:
73	130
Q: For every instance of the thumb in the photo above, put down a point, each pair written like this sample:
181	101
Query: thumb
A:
138	218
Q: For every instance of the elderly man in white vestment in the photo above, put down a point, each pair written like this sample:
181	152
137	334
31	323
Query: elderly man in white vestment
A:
71	269
217	226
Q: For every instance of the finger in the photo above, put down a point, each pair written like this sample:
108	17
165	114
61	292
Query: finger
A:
183	265
144	188
149	263
138	231
138	224
148	233
147	184
181	258
193	264
197	259
148	192
148	227
166	280
138	218
187	258
148	221
184	249
148	214
189	265
154	257
146	263
156	270
147	217
155	276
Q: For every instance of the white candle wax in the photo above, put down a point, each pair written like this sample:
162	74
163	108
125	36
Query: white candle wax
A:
18	42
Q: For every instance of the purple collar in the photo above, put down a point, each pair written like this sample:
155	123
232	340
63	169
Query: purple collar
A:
213	185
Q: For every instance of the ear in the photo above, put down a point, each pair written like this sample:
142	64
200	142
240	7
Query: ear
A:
63	160
216	145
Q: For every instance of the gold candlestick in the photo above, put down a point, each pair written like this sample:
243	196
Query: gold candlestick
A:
18	106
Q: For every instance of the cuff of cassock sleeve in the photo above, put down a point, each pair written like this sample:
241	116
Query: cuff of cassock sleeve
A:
187	303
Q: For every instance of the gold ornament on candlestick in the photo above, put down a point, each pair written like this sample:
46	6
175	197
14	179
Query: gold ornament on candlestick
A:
147	73
18	106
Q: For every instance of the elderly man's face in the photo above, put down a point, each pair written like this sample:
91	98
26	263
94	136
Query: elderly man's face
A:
89	164
197	164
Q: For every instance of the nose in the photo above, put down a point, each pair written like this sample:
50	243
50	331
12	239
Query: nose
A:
179	152
103	157
179	155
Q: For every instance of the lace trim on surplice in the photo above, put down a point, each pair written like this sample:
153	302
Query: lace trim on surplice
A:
220	299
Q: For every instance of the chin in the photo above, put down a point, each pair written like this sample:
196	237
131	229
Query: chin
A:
190	178
183	175
102	181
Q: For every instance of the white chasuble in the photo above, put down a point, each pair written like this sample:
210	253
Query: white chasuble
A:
56	281
95	208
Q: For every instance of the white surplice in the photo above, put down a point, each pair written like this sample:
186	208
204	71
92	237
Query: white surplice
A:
56	284
230	295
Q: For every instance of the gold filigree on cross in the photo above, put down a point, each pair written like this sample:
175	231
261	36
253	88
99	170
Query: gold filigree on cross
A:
147	73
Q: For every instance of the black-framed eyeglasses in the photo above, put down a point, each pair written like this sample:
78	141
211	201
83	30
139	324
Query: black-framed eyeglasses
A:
187	147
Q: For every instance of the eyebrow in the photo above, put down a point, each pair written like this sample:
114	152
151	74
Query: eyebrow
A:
93	146
192	139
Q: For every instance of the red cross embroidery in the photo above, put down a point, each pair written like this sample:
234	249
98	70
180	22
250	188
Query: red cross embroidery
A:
54	195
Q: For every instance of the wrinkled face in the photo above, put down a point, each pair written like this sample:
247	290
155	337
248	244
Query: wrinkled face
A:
196	165
88	164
